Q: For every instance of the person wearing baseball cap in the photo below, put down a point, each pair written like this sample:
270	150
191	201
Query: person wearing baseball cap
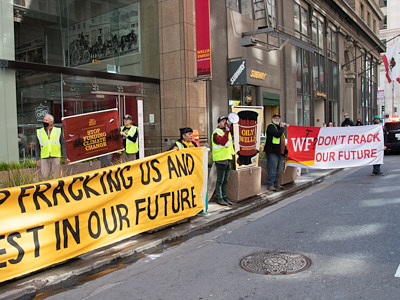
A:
130	138
376	169
275	149
222	151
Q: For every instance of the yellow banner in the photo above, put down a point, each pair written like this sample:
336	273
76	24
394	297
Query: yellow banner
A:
48	222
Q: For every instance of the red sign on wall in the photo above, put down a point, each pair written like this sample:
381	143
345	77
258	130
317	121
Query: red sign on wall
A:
203	42
92	135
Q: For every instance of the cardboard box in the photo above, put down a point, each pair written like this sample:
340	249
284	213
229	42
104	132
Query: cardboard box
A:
287	176
244	183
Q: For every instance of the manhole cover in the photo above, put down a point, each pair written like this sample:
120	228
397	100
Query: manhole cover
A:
275	263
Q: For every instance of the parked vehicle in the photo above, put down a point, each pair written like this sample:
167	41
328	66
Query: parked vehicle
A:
392	132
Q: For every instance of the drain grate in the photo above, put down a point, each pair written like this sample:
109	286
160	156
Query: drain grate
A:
275	263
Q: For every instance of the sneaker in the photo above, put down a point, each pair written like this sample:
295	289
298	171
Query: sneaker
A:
380	174
222	202
373	174
226	199
279	187
272	188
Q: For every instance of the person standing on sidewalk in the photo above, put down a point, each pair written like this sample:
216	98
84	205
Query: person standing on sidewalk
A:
49	148
222	151
130	137
275	149
376	169
186	140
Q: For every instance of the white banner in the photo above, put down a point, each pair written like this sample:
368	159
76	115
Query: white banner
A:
335	147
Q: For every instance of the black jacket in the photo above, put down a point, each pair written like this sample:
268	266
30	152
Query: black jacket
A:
273	131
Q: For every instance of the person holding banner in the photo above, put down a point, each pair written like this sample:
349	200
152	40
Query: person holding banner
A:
275	149
49	148
347	121
186	140
222	152
130	137
376	169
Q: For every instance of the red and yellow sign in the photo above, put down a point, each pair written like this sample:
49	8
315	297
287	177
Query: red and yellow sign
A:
92	135
49	222
334	147
203	40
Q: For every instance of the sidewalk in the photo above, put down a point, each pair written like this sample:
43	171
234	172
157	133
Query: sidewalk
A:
101	261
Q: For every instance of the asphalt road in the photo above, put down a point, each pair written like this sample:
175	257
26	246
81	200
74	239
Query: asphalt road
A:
348	225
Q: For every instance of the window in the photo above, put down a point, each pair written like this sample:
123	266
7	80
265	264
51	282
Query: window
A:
255	10
362	11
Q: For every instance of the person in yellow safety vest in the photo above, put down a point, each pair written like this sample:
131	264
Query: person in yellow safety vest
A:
49	148
186	140
275	149
222	151
130	137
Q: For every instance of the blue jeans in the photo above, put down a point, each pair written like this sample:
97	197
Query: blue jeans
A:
222	180
376	169
274	167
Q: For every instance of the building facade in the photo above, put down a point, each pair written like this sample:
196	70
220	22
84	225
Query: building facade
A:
389	104
311	61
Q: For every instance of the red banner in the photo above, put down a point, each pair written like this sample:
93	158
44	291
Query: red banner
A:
92	135
203	43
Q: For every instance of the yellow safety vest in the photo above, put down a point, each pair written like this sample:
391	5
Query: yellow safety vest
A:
222	152
49	147
131	147
275	140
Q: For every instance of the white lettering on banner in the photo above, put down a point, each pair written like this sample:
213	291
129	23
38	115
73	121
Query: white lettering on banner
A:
302	144
237	73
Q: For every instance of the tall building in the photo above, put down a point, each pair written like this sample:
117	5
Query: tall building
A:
390	32
311	61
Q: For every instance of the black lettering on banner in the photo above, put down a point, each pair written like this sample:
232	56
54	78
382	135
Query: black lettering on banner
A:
180	167
87	189
91	233
34	230
189	157
59	189
57	233
123	216
138	210
111	183
153	162
40	194
71	192
130	181
6	194
66	226
175	210
2	251
103	186
193	197
154	168
185	198
165	196
149	208
22	195
21	252
109	231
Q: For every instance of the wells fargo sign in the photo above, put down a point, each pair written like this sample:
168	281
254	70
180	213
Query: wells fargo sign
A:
92	135
49	222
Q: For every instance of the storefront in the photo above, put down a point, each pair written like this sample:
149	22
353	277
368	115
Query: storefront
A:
72	57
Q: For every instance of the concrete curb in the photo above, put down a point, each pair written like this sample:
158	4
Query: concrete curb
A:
74	271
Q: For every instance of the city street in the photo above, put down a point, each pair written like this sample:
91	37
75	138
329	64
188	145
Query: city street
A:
348	226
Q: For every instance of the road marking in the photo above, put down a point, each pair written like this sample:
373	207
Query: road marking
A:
397	272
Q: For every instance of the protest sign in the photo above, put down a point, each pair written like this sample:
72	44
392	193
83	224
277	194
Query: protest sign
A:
92	135
49	222
335	147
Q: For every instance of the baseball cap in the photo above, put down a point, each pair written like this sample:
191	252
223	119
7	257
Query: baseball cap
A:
377	117
222	118
276	116
128	117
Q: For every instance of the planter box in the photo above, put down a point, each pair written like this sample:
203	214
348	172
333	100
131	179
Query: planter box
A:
287	176
244	183
81	167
